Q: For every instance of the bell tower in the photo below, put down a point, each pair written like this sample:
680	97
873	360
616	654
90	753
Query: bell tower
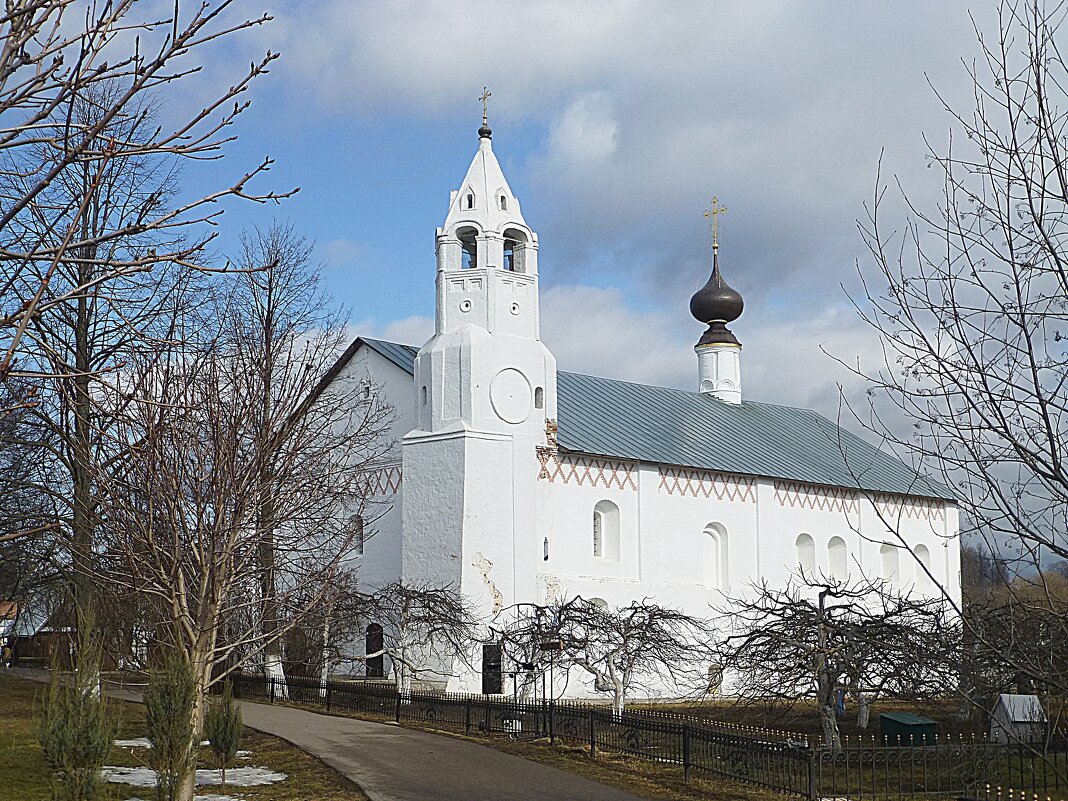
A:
485	389
485	367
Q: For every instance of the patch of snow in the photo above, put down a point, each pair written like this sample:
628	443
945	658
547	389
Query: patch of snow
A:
239	777
244	755
143	742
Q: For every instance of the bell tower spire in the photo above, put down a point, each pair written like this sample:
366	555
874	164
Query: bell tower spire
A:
718	350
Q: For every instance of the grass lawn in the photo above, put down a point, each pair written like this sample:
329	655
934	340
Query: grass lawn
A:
24	774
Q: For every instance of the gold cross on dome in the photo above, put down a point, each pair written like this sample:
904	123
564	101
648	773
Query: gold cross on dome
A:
712	214
486	95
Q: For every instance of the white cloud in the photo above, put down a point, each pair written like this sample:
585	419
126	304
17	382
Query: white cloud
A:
343	253
414	330
585	135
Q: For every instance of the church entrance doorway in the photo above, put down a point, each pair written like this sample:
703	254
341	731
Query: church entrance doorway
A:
492	682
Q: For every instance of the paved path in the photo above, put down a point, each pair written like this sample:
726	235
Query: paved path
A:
391	763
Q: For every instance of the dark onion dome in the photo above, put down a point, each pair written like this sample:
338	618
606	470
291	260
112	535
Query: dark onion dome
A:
716	304
485	132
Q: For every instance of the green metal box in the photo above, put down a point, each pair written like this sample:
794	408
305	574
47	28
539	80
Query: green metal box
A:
906	728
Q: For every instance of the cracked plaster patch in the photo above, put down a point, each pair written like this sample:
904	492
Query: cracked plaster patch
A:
484	565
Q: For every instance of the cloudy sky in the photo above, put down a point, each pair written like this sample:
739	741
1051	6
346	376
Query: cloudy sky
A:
615	124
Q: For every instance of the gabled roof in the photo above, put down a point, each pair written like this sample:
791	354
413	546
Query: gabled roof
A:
1020	708
605	417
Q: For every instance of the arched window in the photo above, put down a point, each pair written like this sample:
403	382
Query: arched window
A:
600	603
469	201
888	562
606	531
504	203
356	523
376	664
468	247
838	558
715	564
806	554
514	244
424	396
923	567
539	398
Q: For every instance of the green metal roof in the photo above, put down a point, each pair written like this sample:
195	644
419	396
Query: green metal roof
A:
619	419
907	718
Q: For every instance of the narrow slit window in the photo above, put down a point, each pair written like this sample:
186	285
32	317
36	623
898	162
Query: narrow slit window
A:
539	398
598	533
356	521
504	203
424	396
470	201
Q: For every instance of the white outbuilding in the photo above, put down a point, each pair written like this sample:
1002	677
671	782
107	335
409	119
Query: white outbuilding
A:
517	482
1018	719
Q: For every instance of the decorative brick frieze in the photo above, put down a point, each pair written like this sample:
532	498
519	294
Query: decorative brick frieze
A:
691	483
383	480
592	471
810	496
894	507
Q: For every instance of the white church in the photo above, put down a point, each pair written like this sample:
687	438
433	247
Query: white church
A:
515	482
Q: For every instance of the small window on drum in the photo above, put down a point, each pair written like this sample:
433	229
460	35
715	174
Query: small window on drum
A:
424	396
469	201
539	398
504	203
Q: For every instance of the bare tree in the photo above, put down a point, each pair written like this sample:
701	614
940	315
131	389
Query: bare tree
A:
283	331
53	53
426	630
72	357
971	301
818	640
1027	618
640	645
180	508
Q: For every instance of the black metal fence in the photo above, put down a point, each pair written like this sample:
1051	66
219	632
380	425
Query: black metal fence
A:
777	760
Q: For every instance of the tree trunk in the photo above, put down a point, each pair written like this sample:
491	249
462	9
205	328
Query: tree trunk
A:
324	658
201	666
831	736
82	480
863	711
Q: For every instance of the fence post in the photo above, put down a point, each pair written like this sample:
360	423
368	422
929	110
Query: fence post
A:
593	737
811	774
398	706
272	689
552	722
685	752
328	696
467	716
